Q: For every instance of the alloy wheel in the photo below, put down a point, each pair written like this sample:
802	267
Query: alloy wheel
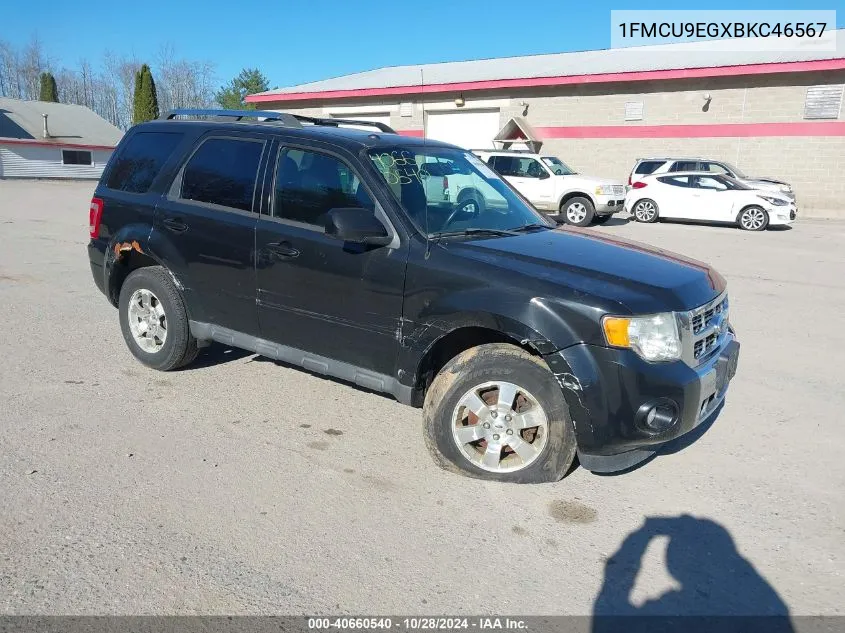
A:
147	320
500	427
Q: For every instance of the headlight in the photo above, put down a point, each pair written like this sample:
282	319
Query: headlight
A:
604	190
655	337
786	188
775	201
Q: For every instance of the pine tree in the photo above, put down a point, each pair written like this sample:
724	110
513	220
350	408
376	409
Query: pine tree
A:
145	102
49	90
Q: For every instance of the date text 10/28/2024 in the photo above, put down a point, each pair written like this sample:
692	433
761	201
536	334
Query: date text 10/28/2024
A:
416	624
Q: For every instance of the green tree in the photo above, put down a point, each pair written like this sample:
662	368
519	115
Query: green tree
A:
49	90
249	81
145	101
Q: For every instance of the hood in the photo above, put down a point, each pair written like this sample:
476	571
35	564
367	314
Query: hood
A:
642	278
767	179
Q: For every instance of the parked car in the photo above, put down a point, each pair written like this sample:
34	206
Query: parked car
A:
524	343
551	186
708	198
653	166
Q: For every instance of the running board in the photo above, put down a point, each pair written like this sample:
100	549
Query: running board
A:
317	364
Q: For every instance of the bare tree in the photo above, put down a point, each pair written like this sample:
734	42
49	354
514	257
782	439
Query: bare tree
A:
32	61
182	83
10	85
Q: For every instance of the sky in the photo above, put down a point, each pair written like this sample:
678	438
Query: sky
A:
297	42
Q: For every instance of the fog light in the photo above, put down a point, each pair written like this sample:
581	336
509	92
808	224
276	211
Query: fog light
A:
658	416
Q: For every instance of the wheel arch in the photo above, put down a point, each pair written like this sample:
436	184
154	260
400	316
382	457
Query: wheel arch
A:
748	206
566	197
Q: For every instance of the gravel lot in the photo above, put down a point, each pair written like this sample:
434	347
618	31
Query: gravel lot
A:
242	486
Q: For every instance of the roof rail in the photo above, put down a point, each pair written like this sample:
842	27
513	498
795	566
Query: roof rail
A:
282	117
338	122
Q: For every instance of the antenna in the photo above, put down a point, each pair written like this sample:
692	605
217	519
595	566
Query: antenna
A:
425	140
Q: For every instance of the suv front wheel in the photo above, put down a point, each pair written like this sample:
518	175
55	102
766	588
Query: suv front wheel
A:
578	211
154	321
496	412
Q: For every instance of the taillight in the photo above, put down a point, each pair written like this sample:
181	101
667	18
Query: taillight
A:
95	214
445	183
639	185
629	179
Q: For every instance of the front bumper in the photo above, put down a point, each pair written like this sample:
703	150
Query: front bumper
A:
608	389
779	216
608	205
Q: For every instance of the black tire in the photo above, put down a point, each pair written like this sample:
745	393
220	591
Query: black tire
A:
750	218
643	216
499	361
571	206
179	347
602	219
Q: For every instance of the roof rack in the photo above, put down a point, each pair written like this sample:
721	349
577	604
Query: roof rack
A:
282	117
338	122
285	118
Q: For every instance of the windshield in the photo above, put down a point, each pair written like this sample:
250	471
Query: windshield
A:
558	167
735	171
447	190
733	183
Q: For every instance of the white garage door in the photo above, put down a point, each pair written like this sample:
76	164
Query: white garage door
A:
373	118
471	130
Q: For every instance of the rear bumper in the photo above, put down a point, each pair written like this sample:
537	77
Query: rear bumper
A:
96	258
609	392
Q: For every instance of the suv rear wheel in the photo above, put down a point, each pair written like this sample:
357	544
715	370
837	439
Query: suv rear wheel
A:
578	211
154	321
496	412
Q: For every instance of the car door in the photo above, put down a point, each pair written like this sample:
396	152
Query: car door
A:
673	197
206	227
337	300
529	176
713	199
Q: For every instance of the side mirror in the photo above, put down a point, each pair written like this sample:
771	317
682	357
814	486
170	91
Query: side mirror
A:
356	225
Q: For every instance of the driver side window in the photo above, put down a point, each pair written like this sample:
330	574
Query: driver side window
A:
712	184
530	168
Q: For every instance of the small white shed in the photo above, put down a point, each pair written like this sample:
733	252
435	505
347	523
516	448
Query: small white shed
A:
39	139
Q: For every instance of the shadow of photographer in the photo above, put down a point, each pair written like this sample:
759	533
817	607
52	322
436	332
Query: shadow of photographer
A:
718	588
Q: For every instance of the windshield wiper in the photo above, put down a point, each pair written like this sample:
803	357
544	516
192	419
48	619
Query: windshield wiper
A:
476	231
534	225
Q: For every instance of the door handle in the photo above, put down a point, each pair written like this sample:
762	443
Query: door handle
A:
282	249
175	225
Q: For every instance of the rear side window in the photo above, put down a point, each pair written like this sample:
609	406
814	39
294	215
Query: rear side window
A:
685	165
677	181
223	171
648	166
140	160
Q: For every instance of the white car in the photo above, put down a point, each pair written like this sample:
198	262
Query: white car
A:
654	166
708	198
551	186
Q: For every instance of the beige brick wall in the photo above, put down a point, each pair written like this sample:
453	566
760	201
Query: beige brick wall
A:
814	165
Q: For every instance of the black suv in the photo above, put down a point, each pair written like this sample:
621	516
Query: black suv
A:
307	241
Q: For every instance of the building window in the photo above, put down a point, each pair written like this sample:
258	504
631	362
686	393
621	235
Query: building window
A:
633	110
823	102
76	157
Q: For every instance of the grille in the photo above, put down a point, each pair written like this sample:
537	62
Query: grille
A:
704	319
705	331
618	190
703	346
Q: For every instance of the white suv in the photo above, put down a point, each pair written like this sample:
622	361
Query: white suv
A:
553	187
654	166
